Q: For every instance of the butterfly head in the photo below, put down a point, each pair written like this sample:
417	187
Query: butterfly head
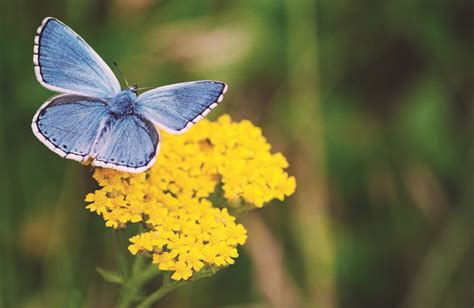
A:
134	88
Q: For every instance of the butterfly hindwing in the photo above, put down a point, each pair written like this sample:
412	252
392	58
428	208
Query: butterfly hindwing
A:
65	63
129	143
177	107
69	124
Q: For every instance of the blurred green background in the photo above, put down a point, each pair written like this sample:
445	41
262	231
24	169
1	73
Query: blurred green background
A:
371	101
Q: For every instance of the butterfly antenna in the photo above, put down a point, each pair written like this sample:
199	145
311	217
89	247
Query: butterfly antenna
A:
121	74
144	88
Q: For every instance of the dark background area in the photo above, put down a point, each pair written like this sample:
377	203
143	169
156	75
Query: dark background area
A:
370	101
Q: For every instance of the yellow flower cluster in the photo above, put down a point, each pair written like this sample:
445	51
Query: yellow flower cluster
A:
249	172
185	232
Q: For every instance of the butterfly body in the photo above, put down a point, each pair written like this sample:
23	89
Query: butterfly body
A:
123	103
93	120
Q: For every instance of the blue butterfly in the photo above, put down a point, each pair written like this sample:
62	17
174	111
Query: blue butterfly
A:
94	120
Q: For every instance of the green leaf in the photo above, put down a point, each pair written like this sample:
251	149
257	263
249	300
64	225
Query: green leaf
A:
110	276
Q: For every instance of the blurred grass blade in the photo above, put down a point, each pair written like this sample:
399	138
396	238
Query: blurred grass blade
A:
312	221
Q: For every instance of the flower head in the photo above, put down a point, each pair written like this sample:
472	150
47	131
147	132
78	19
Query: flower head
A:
186	232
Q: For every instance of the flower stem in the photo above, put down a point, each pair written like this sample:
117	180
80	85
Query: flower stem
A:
168	286
138	278
121	260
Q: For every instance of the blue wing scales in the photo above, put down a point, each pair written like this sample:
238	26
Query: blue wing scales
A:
65	63
129	143
175	108
69	124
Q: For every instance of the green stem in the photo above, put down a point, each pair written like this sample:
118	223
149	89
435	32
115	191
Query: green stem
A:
168	286
146	275
121	260
133	285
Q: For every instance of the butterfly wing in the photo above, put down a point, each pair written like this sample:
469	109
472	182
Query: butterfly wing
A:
129	143
65	63
175	108
69	124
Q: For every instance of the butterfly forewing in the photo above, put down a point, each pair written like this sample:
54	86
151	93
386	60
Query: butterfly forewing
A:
175	108
65	63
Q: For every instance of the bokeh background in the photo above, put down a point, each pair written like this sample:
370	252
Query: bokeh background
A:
371	101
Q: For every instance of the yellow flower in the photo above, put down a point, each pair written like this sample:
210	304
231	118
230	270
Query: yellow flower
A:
186	232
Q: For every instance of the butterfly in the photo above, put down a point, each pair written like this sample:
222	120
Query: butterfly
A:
95	121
